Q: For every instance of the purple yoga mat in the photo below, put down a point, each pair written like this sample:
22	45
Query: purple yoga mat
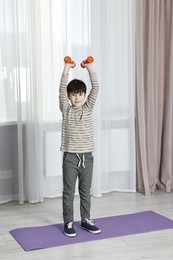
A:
31	238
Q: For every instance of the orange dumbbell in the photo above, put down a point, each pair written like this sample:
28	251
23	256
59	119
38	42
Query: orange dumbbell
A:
67	59
90	59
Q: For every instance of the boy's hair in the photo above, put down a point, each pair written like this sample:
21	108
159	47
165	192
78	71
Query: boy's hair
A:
76	86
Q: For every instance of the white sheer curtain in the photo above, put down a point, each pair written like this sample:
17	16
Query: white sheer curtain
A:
38	34
113	43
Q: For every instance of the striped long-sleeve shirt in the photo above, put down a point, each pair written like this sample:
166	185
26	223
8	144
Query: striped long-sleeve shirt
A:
77	126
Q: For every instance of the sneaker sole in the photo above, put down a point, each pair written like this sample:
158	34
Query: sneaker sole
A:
70	235
93	232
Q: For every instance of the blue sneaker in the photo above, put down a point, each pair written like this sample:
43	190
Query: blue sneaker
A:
69	230
90	227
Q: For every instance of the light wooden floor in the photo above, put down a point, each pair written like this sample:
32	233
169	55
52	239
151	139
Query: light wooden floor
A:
154	245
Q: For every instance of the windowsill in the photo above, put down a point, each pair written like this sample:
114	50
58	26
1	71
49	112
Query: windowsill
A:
45	125
8	123
56	125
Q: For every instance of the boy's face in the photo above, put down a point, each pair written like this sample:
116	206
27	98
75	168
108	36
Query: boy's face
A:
76	99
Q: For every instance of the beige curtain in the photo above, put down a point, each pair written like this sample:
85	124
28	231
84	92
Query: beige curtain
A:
154	95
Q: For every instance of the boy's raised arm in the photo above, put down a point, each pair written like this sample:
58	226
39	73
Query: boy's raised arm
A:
91	99
63	98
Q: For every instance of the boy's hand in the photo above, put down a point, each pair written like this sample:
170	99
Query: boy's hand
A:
88	66
68	66
69	63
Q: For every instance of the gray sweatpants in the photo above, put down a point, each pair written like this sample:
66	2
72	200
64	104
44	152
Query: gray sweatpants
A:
77	166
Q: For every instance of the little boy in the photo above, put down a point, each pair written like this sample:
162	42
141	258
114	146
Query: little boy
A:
77	145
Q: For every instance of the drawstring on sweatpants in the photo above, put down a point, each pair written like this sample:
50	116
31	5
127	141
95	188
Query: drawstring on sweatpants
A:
81	160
